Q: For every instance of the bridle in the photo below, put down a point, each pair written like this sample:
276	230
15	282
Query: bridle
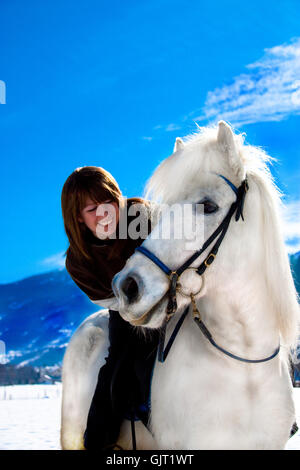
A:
236	208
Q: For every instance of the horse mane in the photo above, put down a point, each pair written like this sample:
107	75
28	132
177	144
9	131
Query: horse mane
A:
171	175
279	280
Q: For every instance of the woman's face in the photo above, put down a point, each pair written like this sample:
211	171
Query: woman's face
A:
101	219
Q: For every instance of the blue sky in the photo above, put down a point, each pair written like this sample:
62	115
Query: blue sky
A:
114	83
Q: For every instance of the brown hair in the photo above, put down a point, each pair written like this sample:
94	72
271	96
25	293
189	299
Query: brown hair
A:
89	181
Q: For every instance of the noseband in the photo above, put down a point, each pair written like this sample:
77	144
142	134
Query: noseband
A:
236	208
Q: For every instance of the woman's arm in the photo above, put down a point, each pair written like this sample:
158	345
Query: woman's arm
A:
82	274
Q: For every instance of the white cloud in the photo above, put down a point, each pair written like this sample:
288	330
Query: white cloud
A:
291	226
268	91
167	128
55	261
172	127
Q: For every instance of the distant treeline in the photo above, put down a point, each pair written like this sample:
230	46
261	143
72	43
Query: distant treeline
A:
11	374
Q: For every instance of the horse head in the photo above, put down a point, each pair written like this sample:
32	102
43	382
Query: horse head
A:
205	173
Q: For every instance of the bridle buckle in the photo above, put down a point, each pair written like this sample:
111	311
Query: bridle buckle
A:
207	262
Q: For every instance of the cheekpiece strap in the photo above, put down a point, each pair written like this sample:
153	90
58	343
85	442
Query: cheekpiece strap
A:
242	190
240	195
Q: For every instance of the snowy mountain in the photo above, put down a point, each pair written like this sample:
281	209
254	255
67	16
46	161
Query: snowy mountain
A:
38	315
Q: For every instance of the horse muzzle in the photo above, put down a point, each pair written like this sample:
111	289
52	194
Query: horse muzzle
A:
137	302
128	289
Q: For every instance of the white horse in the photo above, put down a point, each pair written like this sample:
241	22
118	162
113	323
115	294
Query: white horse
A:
200	397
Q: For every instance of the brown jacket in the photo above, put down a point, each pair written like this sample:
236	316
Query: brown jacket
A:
108	257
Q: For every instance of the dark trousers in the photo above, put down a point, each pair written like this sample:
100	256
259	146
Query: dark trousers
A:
124	382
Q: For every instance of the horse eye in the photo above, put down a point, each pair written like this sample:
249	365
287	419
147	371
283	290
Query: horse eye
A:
209	206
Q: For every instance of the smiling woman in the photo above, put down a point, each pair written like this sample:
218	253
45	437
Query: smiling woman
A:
101	219
83	191
93	211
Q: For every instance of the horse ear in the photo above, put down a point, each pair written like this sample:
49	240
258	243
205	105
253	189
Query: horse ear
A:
178	144
226	140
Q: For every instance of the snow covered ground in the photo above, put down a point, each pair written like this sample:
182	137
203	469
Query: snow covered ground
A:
294	442
30	417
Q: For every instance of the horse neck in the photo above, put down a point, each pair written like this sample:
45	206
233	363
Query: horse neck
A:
241	319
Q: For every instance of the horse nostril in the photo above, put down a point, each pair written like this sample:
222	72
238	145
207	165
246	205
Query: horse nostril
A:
130	288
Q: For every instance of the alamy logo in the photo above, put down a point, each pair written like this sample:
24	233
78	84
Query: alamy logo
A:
2	92
175	222
2	353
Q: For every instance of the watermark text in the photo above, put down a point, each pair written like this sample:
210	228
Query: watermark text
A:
2	92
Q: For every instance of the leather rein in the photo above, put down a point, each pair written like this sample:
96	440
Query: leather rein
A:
219	234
